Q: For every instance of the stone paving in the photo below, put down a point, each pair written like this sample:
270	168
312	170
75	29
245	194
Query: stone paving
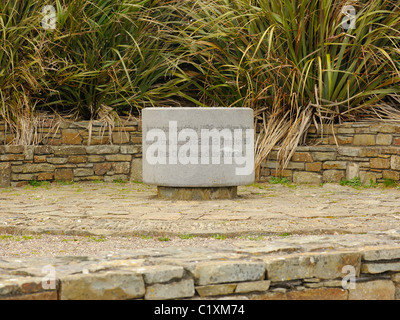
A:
133	209
311	235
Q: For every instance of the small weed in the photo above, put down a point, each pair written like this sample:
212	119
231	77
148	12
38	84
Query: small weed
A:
144	237
256	238
389	183
15	238
186	236
64	183
278	180
163	239
286	234
355	182
119	181
137	182
100	239
35	183
219	236
257	185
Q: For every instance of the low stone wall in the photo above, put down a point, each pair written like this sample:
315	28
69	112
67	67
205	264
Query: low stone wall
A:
92	151
21	164
370	151
268	272
72	151
58	133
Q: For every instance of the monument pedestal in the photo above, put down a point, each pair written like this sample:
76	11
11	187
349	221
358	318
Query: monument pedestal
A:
199	193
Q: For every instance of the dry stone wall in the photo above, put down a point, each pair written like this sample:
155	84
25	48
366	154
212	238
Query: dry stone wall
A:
369	151
81	151
274	272
88	151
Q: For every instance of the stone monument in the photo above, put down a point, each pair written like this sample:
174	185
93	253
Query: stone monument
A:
198	153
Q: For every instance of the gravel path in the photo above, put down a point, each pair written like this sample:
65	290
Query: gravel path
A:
86	219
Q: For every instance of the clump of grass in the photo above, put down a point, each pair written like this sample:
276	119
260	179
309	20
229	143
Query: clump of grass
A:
97	239
186	236
119	180
36	183
355	182
145	237
278	180
163	238
219	236
285	234
389	183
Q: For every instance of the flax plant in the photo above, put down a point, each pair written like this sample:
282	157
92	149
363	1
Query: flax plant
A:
294	63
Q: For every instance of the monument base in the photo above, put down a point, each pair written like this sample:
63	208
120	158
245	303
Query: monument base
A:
206	193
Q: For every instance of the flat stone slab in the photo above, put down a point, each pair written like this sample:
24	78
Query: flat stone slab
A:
133	209
198	147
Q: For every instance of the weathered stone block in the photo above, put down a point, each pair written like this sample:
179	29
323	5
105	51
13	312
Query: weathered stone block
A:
300	177
64	175
302	157
37	167
376	253
395	163
102	149
83	172
228	271
326	265
43	150
101	168
39	159
5	175
367	177
112	285
352	170
120	137
341	140
45	176
136	170
379	163
67	150
129	149
323	156
77	159
373	290
328	165
253	286
392	175
71	137
384	139
160	273
119	157
314	166
173	290
95	158
349	151
380	267
333	175
364	140
216	289
121	167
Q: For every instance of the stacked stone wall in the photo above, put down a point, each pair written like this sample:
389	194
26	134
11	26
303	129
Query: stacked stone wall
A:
87	151
369	151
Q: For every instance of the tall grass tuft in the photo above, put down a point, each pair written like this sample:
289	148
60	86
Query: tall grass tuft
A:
294	63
